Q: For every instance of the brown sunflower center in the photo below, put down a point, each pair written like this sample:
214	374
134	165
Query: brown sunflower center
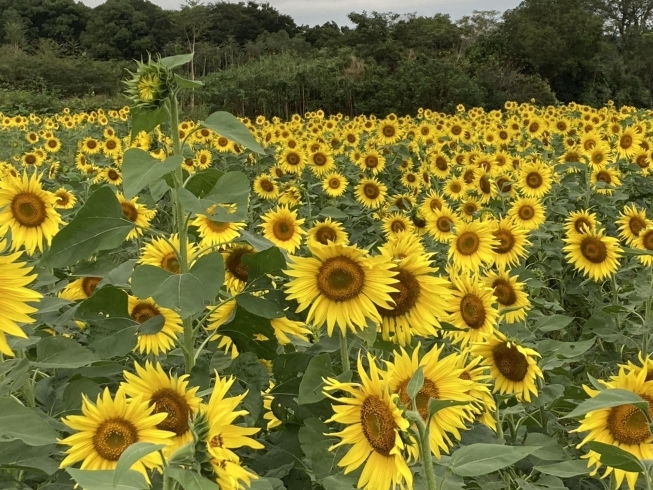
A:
388	131
534	127
371	191
293	159
456	130
113	437
598	158
465	375
62	198
441	163
593	249
411	178
30	159
371	161
603	176
397	226
435	204
378	425
222	141
407	295
504	292
636	225
266	185
455	187
647	240
429	390
234	263
89	284
642	160
28	209
526	212
468	176
325	234
110	145
470	208
534	180
626	141
504	184
511	363
283	230
130	211
170	262
443	224
581	225
142	312
484	185
334	183
628	425
472	310
91	144
175	405
113	174
467	243
319	159
340	278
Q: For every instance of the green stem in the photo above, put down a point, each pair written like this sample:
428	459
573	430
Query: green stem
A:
169	483
615	299
344	352
497	417
647	315
424	449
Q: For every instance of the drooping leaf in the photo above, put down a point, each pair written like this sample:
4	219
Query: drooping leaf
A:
139	169
146	120
172	62
616	457
228	125
18	455
18	422
259	306
60	352
482	459
103	480
130	456
608	399
565	469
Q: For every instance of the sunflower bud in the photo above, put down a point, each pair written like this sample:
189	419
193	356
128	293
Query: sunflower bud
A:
150	86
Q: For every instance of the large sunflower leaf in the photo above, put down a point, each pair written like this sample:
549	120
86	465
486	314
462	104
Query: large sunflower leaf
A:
139	169
229	126
482	459
17	422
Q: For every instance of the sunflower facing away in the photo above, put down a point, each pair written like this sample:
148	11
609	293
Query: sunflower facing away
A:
283	228
593	254
108	427
168	394
141	310
471	246
373	426
341	286
28	211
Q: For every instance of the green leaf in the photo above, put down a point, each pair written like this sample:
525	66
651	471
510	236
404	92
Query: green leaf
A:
608	399
103	480
189	480
231	189
310	387
99	225
186	83
146	120
18	455
243	330
131	456
316	447
152	326
565	469
634	252
257	241
616	457
246	367
415	384
139	169
230	127
172	62
436	405
333	212
119	276
550	449
270	261
259	306
17	422
482	459
553	323
60	352
202	182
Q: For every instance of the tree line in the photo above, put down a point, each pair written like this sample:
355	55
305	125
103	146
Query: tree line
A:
253	59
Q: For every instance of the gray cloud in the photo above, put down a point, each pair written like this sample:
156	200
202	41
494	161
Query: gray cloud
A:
313	12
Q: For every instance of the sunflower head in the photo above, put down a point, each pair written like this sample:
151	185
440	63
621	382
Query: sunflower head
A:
150	85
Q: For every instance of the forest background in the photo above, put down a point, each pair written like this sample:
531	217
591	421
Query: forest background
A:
254	60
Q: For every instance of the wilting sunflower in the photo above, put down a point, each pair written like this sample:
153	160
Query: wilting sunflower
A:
108	427
471	246
396	223
609	179
623	426
471	310
137	213
579	222
442	381
28	211
163	253
631	223
141	310
513	367
442	223
512	299
421	298
216	232
64	199
374	425
528	213
342	285
593	254
334	184
167	394
511	242
283	228
236	273
81	288
327	231
645	242
14	298
222	436
371	193
265	187
535	179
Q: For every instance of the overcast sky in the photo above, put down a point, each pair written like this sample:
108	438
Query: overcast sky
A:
313	12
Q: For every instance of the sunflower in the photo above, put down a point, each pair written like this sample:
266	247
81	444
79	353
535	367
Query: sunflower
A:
471	310
512	299
64	199
527	213
215	233
631	223
112	147
110	175
265	187
628	143
600	156
222	436
342	285
167	394
14	298
471	246
283	327
593	254
484	186
162	253
236	273
388	132
484	405
52	145
511	242
442	381
645	242
455	189
80	289
441	224
137	213
90	146
292	196
283	228
321	162
432	203
203	159
327	231
32	159
372	160
334	184
421	298
374	425
371	193
469	208
292	161
513	367
108	427
28	212
411	180
623	426
141	310
609	178
579	222
535	179
220	315
396	223
439	165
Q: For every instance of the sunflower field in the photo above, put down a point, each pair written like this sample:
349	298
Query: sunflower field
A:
432	301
